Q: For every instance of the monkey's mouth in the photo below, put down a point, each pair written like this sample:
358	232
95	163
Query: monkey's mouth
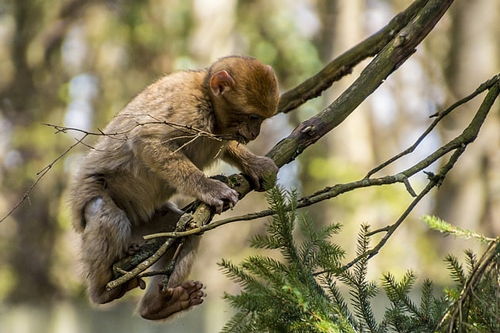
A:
242	139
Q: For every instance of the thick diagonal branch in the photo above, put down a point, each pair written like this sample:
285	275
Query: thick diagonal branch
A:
343	64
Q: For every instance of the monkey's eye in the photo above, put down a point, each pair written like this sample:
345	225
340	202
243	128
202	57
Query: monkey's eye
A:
254	117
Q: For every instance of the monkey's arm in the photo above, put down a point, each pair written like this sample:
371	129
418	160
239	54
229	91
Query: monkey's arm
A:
180	173
259	168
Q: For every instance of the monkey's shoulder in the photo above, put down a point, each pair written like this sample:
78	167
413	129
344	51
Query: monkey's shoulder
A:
181	84
177	97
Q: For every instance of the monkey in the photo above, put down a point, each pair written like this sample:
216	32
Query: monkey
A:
155	147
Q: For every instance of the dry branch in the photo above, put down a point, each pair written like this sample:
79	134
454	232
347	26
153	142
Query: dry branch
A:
343	64
457	145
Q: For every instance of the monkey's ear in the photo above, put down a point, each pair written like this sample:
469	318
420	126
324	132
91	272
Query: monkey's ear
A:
220	82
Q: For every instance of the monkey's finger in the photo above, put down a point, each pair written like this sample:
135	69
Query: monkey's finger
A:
219	205
233	197
256	182
142	284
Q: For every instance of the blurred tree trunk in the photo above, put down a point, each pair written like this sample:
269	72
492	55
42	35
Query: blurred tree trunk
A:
31	249
470	197
328	48
349	149
352	139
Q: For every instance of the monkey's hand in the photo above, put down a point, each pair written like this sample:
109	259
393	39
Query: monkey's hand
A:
216	193
262	171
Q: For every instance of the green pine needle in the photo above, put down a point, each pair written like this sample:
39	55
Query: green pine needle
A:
288	296
436	223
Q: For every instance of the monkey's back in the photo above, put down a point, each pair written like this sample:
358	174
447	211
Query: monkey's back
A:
114	168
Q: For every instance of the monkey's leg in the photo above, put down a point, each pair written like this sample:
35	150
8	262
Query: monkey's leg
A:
160	302
105	239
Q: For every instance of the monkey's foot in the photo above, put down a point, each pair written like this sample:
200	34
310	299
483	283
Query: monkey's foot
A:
172	300
182	297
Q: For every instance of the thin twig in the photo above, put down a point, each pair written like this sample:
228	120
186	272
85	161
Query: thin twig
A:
439	116
40	174
332	192
185	144
117	135
455	308
464	139
434	181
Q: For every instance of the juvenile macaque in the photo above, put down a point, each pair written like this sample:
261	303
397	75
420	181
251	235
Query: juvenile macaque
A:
121	190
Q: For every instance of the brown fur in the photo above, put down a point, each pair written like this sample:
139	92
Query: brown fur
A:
123	184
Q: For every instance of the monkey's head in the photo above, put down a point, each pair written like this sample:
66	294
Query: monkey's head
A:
244	93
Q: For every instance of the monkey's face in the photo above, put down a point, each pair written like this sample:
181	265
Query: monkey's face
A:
241	121
245	93
244	127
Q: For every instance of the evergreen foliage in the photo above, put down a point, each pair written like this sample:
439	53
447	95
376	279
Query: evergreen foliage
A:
300	293
442	226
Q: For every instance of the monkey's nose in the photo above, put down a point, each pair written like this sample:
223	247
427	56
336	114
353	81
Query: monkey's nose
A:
254	135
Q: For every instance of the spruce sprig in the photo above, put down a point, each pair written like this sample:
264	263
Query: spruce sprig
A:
302	291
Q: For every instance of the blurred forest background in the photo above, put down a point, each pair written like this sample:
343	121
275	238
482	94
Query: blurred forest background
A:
78	62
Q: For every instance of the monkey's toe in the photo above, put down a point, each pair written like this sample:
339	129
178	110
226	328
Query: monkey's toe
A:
172	300
195	291
177	299
185	292
192	286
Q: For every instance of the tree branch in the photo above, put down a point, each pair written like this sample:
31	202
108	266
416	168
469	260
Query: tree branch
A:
343	64
438	116
458	144
402	177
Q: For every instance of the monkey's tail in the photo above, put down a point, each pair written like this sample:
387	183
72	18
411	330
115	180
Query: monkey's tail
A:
82	191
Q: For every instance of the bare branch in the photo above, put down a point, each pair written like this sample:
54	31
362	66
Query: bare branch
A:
40	174
324	194
440	115
343	64
122	135
464	139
